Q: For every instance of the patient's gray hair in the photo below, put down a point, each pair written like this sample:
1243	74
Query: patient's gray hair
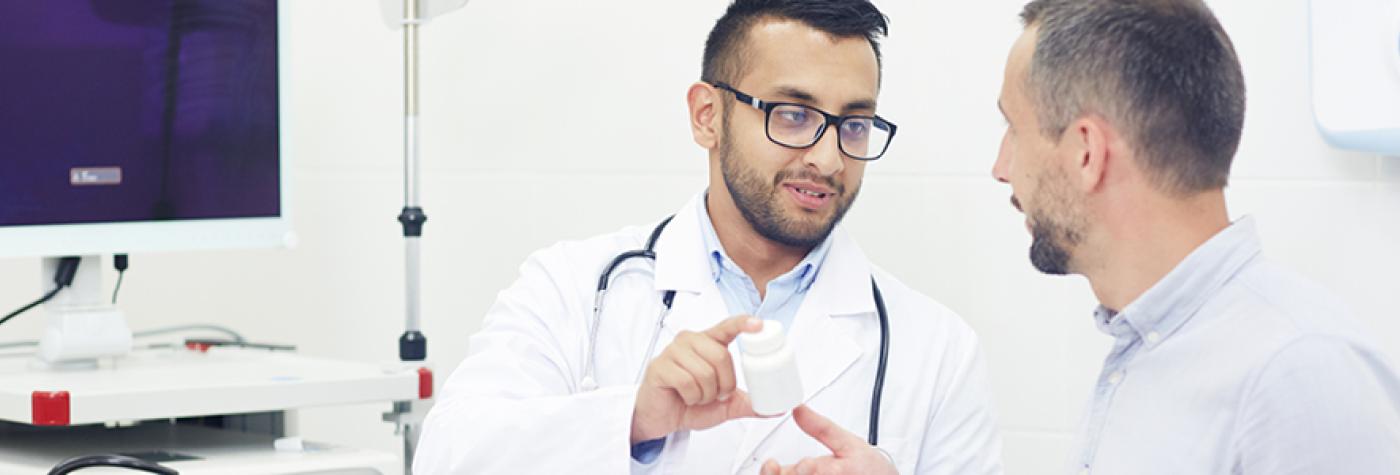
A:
1163	71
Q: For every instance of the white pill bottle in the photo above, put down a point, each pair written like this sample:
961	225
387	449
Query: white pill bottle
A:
770	370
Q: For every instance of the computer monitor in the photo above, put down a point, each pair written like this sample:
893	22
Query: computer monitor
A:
136	126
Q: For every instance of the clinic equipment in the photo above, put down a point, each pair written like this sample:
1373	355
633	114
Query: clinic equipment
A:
410	15
178	147
413	346
1354	51
110	460
142	127
770	369
589	382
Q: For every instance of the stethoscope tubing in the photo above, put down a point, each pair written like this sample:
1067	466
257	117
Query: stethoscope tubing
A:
668	298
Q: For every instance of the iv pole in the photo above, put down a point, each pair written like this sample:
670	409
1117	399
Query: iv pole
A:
413	346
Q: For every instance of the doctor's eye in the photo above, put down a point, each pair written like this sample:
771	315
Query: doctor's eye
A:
855	129
790	116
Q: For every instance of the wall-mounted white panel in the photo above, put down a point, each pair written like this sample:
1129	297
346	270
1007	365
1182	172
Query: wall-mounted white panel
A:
1356	73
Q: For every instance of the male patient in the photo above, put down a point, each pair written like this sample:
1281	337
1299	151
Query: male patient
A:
1123	117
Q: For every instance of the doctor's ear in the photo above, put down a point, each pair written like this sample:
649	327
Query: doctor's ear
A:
703	100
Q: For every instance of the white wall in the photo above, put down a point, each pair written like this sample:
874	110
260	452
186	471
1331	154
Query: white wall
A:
554	119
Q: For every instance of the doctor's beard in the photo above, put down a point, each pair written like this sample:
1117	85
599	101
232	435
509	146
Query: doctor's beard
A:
758	199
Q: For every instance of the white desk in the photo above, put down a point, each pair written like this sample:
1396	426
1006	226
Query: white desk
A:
158	384
60	414
34	450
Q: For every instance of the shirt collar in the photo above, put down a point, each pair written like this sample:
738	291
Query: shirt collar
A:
1172	301
805	271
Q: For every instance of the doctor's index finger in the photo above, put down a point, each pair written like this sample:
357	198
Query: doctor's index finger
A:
726	331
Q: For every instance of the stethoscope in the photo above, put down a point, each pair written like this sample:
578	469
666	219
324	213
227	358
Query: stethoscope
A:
667	298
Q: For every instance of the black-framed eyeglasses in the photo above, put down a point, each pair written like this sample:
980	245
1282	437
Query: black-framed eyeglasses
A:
793	125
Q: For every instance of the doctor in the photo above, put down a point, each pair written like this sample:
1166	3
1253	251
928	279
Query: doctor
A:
786	109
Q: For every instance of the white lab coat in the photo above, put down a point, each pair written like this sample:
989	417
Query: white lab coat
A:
515	405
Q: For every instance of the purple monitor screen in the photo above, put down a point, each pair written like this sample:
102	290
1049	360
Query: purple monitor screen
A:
137	110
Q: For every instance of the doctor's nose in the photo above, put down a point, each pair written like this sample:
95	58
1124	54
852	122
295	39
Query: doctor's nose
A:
826	155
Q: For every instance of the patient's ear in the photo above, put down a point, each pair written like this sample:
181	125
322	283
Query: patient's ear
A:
1089	140
704	114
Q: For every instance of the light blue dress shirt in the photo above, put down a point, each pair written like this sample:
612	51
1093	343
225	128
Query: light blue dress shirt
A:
784	293
1231	364
780	302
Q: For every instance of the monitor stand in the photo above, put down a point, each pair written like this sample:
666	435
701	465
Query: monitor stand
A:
83	325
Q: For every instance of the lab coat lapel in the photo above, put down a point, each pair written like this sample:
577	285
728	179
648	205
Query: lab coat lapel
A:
680	252
822	350
681	266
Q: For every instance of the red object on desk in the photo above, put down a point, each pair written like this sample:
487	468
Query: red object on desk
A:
50	408
425	383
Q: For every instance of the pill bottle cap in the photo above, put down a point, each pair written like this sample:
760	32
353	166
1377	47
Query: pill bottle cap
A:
767	340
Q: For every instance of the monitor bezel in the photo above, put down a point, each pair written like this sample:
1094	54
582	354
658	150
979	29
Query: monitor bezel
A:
175	235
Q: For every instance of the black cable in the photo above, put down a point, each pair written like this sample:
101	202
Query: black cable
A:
36	303
239	344
120	262
110	460
67	268
235	337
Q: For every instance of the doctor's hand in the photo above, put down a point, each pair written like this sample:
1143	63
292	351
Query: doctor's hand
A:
849	452
691	384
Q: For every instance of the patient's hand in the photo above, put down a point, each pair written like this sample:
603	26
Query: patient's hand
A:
849	453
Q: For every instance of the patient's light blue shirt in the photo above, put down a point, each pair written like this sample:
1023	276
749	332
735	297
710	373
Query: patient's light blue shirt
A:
780	302
1231	364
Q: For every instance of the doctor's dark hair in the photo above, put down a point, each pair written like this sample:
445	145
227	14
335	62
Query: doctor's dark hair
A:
1164	71
726	60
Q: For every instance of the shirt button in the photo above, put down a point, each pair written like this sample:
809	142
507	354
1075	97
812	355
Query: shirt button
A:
1153	337
1115	377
